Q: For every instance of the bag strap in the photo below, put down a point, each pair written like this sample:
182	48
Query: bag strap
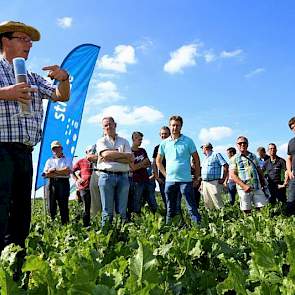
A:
255	166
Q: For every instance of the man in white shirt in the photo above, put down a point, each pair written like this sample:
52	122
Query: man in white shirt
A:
114	157
58	170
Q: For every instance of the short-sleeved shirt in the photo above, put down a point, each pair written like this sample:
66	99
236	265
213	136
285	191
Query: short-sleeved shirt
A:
291	152
14	128
141	174
85	168
178	155
262	161
55	162
275	170
120	144
212	166
155	153
245	169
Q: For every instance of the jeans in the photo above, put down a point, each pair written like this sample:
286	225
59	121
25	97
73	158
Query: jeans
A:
172	190
139	193
291	197
163	195
16	171
86	197
59	193
232	190
113	191
149	195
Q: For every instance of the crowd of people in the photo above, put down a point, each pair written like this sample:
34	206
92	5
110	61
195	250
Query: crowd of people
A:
126	177
115	177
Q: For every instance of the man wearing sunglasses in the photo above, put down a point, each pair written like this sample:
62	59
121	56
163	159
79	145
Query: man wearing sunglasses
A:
245	172
18	134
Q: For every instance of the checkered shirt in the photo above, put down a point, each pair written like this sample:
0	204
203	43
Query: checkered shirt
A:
212	166
14	128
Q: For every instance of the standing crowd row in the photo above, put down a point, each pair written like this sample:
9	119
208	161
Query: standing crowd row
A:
121	171
119	179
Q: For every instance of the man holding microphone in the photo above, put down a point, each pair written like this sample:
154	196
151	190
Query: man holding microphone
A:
18	134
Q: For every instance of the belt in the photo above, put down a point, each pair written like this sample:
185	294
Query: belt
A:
59	179
17	146
211	179
113	172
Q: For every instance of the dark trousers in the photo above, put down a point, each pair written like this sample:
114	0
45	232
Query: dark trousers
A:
276	193
16	171
86	198
232	190
197	196
59	192
291	197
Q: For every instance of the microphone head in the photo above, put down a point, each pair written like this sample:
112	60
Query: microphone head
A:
19	66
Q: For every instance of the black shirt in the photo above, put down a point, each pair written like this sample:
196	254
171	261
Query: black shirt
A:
275	170
291	152
156	149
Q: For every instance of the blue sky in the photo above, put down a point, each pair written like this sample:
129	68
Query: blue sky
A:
225	66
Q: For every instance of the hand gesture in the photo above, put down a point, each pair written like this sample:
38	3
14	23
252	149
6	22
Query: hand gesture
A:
55	72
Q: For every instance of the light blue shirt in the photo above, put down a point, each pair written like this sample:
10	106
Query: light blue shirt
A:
178	158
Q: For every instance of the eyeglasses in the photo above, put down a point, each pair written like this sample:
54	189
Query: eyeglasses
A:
242	142
23	39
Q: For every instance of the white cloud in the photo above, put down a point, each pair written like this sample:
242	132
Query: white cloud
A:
231	54
214	133
282	150
145	44
123	55
105	75
255	72
126	115
183	57
209	56
107	92
65	22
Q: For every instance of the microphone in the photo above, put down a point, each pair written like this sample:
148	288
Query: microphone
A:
20	73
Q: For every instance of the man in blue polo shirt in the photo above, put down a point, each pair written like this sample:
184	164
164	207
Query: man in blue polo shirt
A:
178	150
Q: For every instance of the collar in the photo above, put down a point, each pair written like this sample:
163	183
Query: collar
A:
62	156
209	154
177	139
247	155
110	138
5	63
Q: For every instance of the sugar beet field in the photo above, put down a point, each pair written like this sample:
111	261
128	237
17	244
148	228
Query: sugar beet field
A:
228	253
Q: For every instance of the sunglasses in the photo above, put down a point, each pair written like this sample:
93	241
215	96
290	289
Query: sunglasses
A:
242	142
